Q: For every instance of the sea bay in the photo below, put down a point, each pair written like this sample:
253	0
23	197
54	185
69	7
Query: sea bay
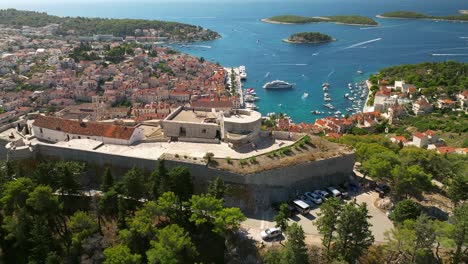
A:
257	45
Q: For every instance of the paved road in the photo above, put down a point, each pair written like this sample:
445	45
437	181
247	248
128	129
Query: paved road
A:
379	220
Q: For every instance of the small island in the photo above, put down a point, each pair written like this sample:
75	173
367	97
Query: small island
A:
309	38
347	20
414	15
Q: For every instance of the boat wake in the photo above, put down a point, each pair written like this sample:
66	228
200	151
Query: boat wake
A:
315	54
267	74
200	46
399	25
464	37
362	43
448	54
290	64
331	73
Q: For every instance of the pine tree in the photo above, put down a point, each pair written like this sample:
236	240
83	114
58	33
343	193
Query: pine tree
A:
107	181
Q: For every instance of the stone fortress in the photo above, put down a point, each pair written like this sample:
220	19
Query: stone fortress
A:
187	135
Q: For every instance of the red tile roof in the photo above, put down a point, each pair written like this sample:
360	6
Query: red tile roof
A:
84	128
419	135
443	150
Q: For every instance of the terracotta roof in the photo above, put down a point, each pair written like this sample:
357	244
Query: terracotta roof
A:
84	128
443	150
430	133
419	135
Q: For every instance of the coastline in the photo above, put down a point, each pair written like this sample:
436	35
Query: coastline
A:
266	20
367	108
433	19
316	42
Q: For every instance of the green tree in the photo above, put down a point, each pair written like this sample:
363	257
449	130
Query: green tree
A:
168	205
354	236
217	188
159	180
134	184
281	219
458	188
410	181
120	254
108	204
295	250
141	228
42	241
380	165
172	246
82	226
181	182
68	175
15	193
327	221
404	210
460	234
43	201
424	240
107	180
228	221
272	256
204	208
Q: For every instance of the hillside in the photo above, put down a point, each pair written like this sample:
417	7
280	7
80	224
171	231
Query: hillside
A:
309	37
435	77
415	15
81	26
341	19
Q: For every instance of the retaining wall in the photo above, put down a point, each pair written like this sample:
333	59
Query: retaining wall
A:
250	192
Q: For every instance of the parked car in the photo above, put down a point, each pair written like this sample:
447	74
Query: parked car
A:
323	194
314	197
334	192
271	232
307	200
344	193
301	206
382	189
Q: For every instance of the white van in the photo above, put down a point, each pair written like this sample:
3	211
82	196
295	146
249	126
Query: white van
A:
301	206
334	192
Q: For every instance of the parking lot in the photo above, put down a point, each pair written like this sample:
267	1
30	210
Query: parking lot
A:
379	220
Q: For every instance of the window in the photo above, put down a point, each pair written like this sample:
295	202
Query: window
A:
40	129
203	131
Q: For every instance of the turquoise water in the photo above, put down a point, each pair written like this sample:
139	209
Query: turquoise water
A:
247	41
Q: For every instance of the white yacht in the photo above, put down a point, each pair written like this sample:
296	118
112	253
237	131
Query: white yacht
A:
278	84
242	72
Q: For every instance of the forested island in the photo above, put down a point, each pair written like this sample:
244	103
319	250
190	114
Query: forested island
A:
309	38
348	20
82	26
415	15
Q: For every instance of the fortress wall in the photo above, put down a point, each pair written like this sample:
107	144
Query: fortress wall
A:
249	192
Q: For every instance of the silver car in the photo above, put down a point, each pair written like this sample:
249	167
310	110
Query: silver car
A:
271	232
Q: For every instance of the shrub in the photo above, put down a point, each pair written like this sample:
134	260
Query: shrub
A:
253	160
404	210
242	162
208	156
229	160
176	155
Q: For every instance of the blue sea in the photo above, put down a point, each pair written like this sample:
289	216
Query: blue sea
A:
247	41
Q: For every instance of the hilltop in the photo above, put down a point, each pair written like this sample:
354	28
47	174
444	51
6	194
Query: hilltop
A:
309	37
82	26
342	19
414	15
